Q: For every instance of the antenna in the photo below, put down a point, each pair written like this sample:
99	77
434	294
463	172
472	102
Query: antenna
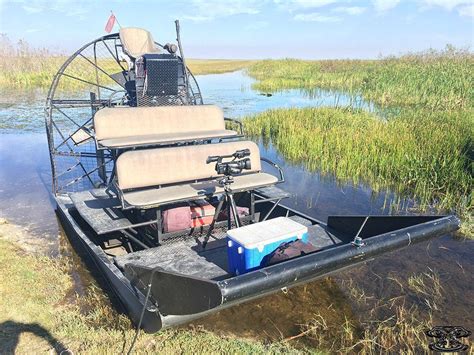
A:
178	38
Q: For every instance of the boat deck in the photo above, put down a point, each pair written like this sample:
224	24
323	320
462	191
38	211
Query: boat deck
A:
182	254
186	255
101	210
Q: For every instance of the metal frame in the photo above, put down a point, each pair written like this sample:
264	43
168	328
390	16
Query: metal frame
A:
62	146
238	122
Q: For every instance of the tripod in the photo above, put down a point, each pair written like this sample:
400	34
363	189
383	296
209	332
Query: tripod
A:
228	198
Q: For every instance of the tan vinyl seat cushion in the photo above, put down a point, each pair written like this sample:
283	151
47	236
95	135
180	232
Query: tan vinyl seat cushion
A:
136	42
129	126
161	166
158	196
184	171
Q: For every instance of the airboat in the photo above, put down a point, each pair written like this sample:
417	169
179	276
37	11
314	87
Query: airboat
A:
172	203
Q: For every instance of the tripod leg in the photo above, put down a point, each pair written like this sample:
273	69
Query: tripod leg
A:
214	219
234	211
229	211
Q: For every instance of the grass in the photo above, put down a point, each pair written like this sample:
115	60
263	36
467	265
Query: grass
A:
435	80
422	148
394	320
24	67
39	311
216	66
404	154
403	332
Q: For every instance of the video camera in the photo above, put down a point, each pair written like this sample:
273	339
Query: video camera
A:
233	167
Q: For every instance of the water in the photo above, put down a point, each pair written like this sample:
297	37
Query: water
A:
233	92
25	182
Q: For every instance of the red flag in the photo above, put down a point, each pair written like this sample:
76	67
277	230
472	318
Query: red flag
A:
110	23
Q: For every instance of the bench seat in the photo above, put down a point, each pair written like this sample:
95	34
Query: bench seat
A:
128	127
149	178
154	197
168	138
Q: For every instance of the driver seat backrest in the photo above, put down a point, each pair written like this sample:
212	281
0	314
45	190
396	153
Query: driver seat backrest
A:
136	42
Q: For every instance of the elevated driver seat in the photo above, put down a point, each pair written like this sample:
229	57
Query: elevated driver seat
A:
136	42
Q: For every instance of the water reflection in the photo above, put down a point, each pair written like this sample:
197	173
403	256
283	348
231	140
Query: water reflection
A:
234	93
25	185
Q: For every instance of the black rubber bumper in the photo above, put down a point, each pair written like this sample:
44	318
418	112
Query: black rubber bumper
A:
315	265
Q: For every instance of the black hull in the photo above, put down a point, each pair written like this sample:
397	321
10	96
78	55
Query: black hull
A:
203	296
130	297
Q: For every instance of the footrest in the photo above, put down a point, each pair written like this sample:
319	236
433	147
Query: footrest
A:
100	211
272	192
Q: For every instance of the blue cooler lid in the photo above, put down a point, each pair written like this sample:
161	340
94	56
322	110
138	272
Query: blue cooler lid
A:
258	235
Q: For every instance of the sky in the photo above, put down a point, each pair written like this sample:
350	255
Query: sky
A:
253	29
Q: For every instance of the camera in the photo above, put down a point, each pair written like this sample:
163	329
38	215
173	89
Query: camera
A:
233	167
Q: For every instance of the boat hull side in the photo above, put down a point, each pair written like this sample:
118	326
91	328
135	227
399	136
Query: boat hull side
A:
131	297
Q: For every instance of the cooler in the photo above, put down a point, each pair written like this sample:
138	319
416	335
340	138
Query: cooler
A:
247	246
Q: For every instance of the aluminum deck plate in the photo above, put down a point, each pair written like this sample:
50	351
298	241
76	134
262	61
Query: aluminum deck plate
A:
100	210
186	256
272	192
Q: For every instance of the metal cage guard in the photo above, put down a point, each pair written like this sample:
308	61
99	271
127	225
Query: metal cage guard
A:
94	77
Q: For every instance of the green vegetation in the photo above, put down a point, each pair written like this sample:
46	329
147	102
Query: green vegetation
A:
216	66
22	66
435	80
423	146
39	310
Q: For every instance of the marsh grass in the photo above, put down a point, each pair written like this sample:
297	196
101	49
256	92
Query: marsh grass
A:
422	147
436	80
401	330
388	322
417	154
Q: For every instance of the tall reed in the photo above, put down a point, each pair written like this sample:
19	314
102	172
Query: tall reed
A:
436	80
424	155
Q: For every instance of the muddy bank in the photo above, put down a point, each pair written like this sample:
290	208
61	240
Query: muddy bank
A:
23	239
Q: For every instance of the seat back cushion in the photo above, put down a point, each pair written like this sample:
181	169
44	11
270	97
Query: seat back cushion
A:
159	166
137	41
121	122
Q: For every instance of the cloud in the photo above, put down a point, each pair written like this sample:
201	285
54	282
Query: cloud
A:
295	5
446	4
208	10
463	7
32	9
350	10
466	10
384	5
196	19
64	7
316	17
